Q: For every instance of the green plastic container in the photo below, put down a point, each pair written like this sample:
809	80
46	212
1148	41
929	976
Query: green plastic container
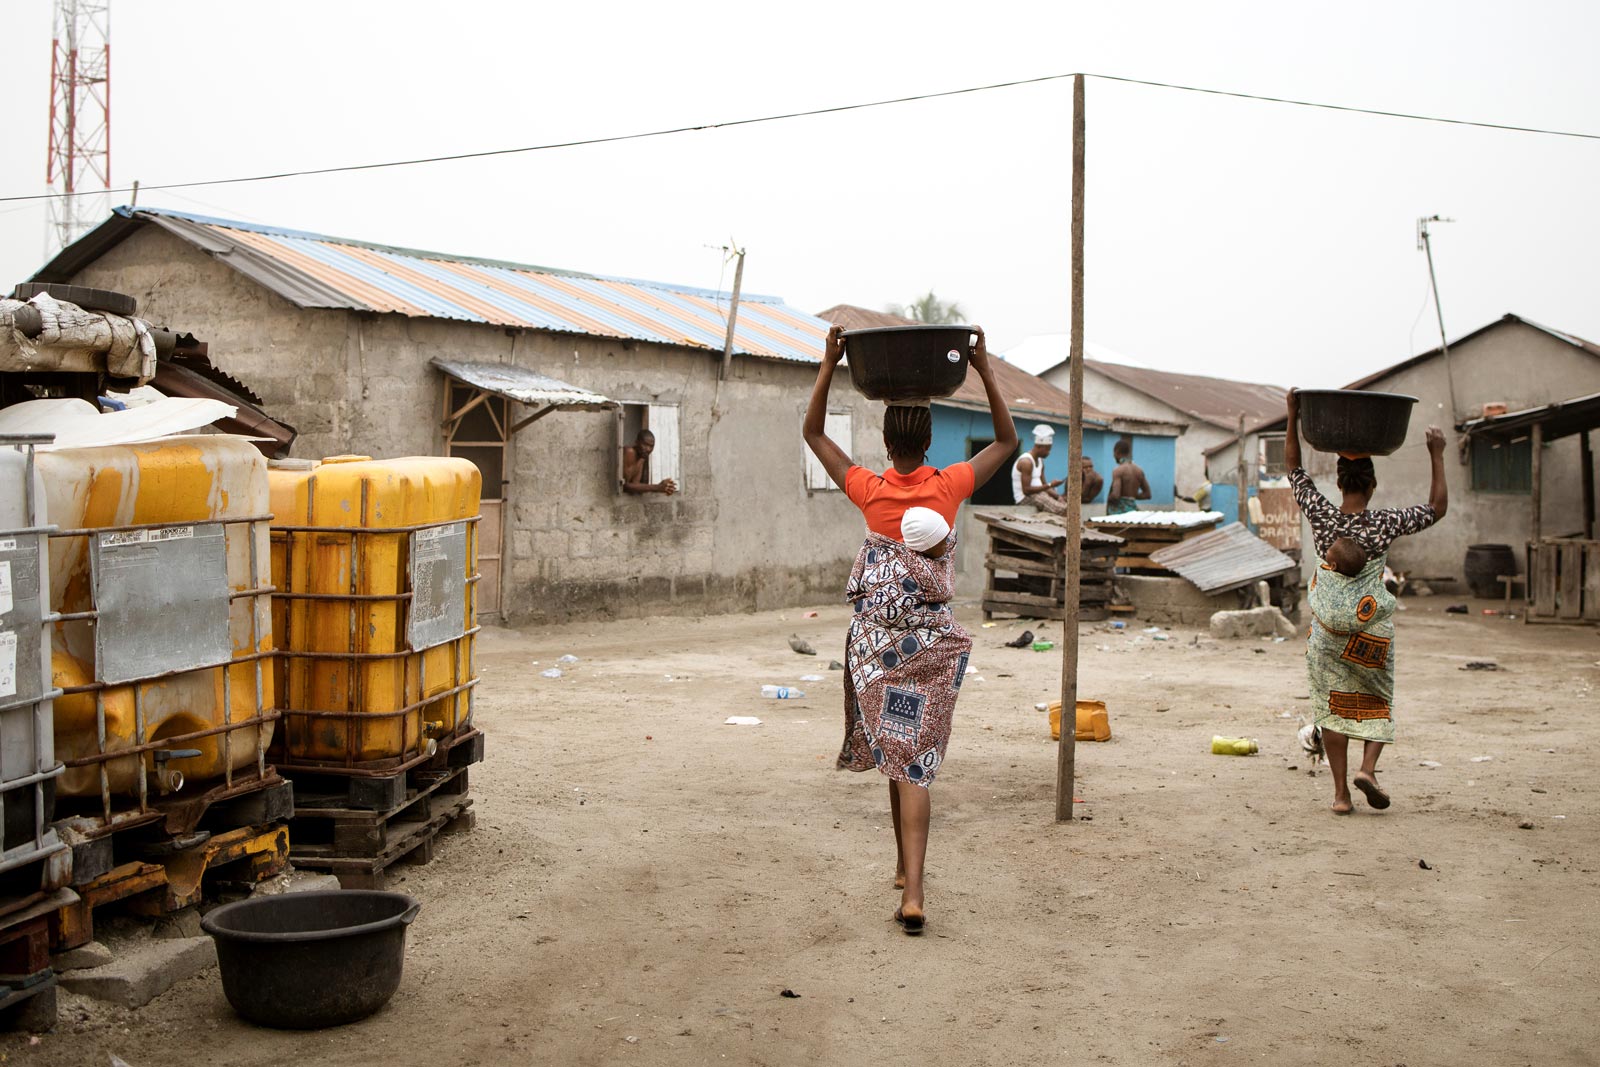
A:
1043	646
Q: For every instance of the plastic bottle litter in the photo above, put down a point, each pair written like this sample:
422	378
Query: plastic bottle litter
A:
781	692
1234	746
553	672
1164	637
1118	624
1043	646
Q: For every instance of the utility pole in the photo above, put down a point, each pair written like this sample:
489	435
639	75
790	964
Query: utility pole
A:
1067	748
1425	242
733	313
78	166
1244	480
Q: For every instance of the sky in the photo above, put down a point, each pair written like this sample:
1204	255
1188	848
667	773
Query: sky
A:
1236	238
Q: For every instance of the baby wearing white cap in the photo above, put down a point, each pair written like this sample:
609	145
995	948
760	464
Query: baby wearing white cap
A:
924	530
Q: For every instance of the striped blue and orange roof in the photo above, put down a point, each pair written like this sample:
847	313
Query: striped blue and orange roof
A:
316	271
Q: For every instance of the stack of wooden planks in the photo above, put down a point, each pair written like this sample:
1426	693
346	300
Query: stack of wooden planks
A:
1150	531
1026	568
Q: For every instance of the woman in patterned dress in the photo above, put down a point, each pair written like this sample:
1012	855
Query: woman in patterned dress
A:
1350	652
905	654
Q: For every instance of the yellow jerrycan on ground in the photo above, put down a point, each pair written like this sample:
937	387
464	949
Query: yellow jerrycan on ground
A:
375	562
1093	722
159	563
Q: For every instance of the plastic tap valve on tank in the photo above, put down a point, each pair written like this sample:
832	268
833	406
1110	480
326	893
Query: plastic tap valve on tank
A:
170	779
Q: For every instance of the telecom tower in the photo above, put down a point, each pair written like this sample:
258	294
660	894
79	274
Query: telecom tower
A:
80	121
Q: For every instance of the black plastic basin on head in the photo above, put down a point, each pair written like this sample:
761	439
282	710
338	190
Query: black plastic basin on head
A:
908	362
301	961
1354	422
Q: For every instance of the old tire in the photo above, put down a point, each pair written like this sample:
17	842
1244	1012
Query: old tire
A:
83	296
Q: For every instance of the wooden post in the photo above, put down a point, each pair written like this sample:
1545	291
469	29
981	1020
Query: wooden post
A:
733	314
1066	750
1538	479
1586	452
1244	479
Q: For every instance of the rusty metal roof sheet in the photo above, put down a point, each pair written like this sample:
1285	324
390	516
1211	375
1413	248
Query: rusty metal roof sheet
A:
524	386
1025	394
1578	414
1223	559
1041	527
1218	401
312	270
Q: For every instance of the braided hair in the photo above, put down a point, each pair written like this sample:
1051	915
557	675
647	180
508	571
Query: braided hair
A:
907	430
1357	475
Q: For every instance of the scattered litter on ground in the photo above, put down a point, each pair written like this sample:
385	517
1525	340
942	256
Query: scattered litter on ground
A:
971	669
1043	646
1481	759
1043	705
1456	609
811	677
742	720
567	660
1234	746
782	692
1524	826
801	645
835	665
1152	629
1160	637
1424	865
553	672
1429	763
1480	665
790	994
1022	640
809	615
1118	624
1285	714
989	625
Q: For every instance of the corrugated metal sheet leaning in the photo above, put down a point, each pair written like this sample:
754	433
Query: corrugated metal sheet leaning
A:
524	386
1223	559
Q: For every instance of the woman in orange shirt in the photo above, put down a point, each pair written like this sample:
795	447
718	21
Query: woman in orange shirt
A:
905	654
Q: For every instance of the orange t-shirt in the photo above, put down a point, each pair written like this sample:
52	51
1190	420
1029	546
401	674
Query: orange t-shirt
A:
884	498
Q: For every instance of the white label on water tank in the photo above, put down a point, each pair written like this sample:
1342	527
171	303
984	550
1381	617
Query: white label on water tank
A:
5	588
8	664
8	544
172	533
953	356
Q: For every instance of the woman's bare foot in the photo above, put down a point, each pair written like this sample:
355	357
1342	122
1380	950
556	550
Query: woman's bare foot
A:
910	917
1368	784
899	879
1342	804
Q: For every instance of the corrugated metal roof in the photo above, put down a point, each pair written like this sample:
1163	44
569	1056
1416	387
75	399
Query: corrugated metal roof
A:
1041	527
316	271
1578	414
1223	559
1024	393
1166	520
1218	401
524	386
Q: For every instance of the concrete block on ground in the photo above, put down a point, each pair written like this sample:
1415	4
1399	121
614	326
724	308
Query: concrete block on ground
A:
1171	601
295	882
144	971
1254	622
94	954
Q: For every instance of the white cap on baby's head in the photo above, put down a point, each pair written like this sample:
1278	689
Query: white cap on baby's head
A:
922	528
1043	434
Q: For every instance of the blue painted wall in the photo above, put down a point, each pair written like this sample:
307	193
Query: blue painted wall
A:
954	428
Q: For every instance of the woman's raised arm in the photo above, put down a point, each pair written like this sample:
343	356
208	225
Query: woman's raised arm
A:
834	459
995	455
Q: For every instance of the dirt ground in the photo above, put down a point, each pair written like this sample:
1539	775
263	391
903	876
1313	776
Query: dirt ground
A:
644	881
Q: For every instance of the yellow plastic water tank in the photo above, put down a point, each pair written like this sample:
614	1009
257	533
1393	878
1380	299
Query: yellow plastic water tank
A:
360	687
140	508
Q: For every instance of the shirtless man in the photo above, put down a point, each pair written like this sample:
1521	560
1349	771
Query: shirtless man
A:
1128	484
1092	482
636	465
1027	475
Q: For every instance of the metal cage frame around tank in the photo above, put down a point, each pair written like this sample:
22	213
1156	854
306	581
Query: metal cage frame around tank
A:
461	661
44	843
260	594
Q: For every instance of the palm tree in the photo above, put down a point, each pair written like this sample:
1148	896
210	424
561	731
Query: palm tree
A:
930	309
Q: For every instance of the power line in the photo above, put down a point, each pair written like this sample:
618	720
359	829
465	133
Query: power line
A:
837	109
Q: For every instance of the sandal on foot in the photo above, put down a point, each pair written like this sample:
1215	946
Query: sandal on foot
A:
911	924
1369	789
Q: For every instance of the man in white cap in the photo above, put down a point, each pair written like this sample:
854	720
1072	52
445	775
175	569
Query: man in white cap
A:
1028	485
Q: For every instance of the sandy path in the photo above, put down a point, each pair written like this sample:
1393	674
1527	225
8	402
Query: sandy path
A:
644	881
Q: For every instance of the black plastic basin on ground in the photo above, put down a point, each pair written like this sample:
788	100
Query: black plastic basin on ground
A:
1354	422
908	362
301	961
